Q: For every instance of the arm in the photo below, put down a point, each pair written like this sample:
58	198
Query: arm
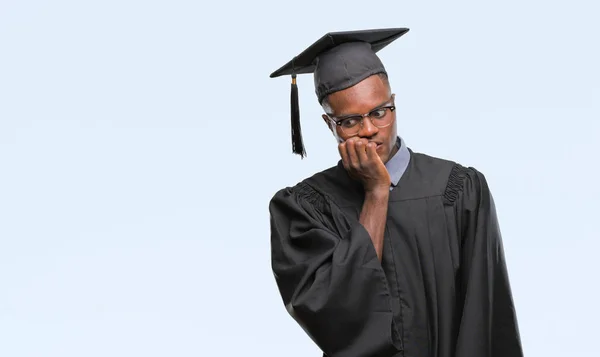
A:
329	276
374	216
488	327
361	161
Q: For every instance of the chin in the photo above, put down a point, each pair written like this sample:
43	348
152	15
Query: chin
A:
385	157
384	153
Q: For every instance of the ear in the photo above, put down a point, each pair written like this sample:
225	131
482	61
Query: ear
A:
328	122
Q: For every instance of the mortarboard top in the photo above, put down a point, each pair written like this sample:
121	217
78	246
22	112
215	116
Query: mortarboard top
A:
338	61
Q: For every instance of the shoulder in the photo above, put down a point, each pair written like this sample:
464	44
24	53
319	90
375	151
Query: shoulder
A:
310	191
332	185
463	182
426	176
450	178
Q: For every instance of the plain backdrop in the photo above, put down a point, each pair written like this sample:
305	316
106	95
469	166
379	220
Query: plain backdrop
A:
141	141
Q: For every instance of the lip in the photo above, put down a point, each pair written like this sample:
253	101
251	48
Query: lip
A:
379	147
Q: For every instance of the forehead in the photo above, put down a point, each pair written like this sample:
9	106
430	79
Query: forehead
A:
360	98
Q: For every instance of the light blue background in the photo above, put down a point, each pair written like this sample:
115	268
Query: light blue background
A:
140	143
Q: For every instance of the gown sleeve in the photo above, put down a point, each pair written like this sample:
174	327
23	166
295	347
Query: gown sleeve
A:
488	326
329	277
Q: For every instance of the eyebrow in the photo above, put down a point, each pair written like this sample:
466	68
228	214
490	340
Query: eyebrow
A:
341	116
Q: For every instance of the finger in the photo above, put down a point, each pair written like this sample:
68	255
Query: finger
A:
372	153
352	155
361	152
344	154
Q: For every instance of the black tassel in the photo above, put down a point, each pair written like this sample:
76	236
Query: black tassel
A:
297	144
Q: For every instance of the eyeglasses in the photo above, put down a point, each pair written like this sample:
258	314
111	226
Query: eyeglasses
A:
352	124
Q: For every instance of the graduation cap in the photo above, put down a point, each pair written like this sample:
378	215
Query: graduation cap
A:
339	60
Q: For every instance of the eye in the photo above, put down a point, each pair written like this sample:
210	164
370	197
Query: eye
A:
377	113
350	122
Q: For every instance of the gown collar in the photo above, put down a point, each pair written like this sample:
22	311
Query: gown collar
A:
398	164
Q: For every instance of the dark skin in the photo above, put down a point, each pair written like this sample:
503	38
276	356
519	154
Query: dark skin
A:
365	154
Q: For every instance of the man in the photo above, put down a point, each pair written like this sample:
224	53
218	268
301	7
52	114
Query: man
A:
390	252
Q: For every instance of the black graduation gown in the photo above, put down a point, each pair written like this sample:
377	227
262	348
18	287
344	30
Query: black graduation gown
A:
442	287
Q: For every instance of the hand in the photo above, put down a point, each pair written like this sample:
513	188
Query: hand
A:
360	159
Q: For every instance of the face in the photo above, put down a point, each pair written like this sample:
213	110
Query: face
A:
364	97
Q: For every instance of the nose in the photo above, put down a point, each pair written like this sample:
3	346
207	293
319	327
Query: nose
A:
367	129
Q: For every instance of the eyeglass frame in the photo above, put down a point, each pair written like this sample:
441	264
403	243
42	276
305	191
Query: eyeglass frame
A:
338	120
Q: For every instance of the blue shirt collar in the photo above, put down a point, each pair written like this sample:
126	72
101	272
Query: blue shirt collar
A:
397	165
